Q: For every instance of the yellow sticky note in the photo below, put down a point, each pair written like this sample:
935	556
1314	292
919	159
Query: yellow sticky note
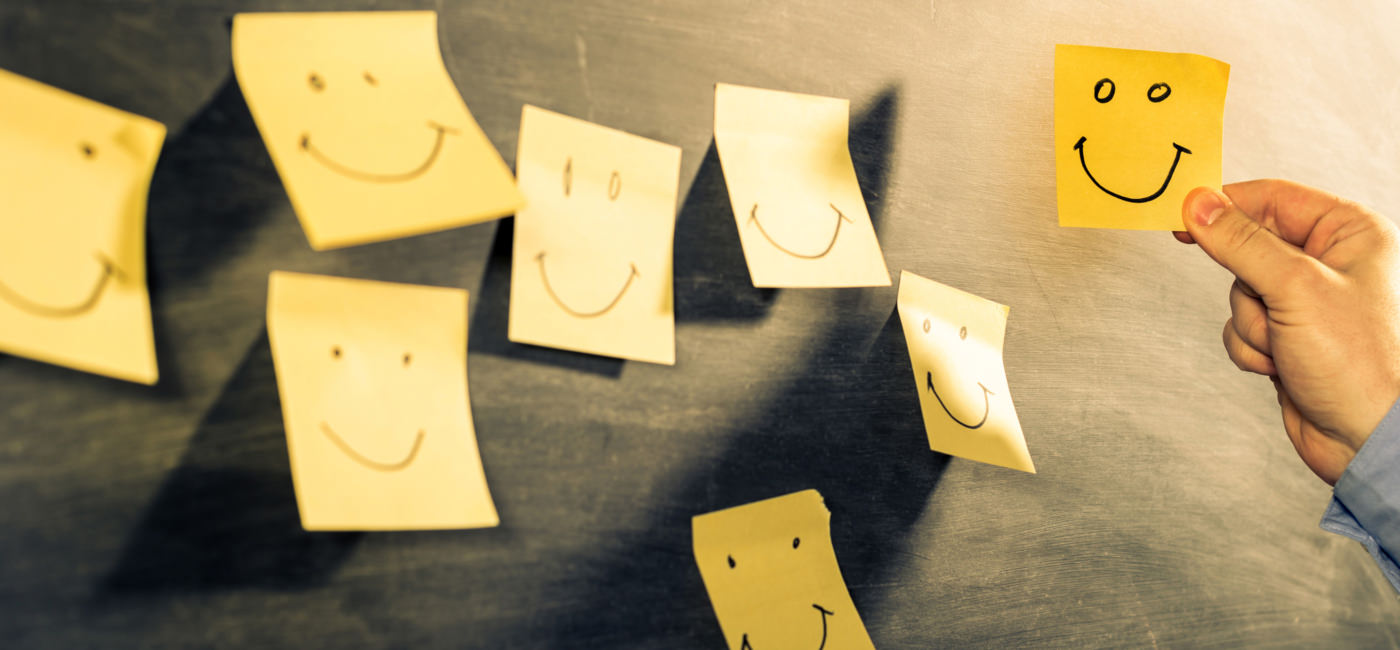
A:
591	271
802	220
74	175
365	126
373	380
773	578
955	346
1134	132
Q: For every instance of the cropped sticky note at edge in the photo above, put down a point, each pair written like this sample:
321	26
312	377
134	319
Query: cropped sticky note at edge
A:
591	267
373	382
74	179
955	342
1135	131
772	575
792	186
365	126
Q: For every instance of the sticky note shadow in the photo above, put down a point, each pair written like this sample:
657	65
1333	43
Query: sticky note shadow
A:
712	278
490	322
226	516
214	186
855	435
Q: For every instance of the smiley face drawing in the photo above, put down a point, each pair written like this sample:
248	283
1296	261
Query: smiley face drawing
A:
1134	132
772	576
74	175
955	348
591	268
801	217
365	127
373	382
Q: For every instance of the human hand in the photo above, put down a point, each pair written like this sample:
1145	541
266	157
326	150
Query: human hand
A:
1315	307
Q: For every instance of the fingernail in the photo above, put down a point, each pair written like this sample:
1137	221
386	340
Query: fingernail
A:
1207	206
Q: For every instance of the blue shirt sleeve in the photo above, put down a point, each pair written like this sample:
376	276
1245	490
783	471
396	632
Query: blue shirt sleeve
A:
1366	501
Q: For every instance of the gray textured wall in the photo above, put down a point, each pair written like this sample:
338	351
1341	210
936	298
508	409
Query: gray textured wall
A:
1169	509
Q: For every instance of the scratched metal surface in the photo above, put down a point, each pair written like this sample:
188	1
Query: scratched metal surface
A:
1169	509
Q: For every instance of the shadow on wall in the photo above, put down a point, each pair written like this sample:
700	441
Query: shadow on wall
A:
226	517
712	277
848	425
213	187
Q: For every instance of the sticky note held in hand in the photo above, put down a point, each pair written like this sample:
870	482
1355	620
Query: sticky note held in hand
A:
591	268
365	126
1134	132
787	164
955	347
74	176
772	575
373	381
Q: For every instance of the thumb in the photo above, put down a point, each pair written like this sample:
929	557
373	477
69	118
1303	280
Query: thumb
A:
1242	245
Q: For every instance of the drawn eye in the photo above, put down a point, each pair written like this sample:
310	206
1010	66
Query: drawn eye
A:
796	541
1158	92
407	359
1103	90
568	175
317	83
369	79
335	351
88	150
927	326
614	186
962	333
731	561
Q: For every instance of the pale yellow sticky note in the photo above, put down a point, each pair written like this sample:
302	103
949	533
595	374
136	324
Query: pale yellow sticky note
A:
955	346
365	126
773	578
74	175
591	271
373	380
802	220
1134	132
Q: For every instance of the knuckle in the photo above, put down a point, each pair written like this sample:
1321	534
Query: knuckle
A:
1243	288
1250	321
1256	332
1244	357
1243	234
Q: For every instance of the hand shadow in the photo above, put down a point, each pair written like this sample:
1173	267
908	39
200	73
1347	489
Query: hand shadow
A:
848	425
226	518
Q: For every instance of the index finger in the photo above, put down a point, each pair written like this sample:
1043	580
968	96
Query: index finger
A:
1287	209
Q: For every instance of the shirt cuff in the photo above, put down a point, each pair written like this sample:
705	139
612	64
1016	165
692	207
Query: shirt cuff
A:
1340	521
1366	501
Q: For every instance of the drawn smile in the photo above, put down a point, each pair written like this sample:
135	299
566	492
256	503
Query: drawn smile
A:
373	464
1179	150
633	274
824	612
986	404
442	132
82	306
753	218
